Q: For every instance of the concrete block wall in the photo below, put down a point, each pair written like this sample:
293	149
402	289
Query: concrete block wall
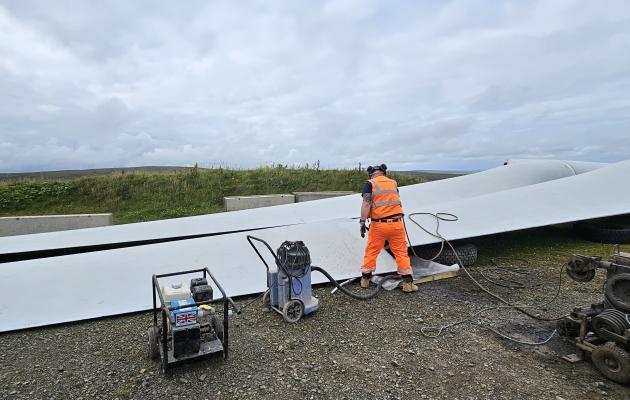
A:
310	196
12	226
235	203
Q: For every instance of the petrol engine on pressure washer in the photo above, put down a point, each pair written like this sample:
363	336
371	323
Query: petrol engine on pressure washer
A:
190	326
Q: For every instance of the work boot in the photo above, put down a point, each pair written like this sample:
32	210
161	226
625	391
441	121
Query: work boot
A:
408	285
365	280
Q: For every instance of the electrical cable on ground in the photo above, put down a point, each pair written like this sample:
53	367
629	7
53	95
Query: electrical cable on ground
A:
254	299
521	308
425	330
507	272
523	342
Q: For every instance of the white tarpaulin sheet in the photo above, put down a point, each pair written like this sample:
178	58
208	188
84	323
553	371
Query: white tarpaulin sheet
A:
111	282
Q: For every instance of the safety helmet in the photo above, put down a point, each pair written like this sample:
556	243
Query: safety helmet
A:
373	169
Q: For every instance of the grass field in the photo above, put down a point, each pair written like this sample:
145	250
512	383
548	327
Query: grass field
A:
143	196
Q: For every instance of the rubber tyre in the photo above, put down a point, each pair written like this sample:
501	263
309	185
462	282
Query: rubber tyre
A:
603	232
467	252
217	326
617	291
154	343
613	362
292	311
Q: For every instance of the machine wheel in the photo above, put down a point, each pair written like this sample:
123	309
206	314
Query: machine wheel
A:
217	327
467	252
293	311
613	362
154	343
617	291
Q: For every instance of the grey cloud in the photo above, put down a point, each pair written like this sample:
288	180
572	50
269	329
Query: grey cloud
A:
431	85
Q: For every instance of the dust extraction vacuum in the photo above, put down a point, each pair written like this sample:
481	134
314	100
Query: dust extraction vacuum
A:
289	286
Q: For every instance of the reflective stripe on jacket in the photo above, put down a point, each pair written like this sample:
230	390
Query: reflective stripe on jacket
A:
385	198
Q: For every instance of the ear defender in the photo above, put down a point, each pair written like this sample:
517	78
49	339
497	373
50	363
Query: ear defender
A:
382	168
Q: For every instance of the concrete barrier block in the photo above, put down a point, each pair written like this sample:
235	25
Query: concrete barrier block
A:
235	203
309	196
13	226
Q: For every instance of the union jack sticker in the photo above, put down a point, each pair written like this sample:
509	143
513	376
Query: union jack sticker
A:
186	319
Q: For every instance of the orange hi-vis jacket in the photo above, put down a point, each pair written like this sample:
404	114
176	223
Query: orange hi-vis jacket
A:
385	198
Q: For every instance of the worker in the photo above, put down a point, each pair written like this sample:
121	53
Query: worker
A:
381	204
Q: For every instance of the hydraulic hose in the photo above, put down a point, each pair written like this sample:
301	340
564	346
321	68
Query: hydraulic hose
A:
347	292
438	235
610	321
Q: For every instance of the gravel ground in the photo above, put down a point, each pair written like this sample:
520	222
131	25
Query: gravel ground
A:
347	350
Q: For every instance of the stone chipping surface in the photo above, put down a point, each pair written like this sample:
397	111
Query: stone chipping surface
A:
347	350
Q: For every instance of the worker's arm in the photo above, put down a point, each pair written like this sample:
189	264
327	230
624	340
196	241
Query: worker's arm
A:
365	210
365	213
366	206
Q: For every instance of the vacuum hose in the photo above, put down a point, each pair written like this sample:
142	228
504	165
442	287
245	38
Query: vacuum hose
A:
292	255
347	292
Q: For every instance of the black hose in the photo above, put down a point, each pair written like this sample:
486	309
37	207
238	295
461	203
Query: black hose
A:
611	320
355	296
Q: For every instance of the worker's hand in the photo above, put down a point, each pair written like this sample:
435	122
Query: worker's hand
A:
363	228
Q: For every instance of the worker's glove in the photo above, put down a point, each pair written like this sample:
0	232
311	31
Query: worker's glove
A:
364	228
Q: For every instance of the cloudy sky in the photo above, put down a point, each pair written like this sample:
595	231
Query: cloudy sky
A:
427	85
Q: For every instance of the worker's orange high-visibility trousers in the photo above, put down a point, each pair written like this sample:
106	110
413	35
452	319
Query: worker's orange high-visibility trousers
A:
394	233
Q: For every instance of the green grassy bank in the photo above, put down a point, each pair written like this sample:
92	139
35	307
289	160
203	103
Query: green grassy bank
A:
137	197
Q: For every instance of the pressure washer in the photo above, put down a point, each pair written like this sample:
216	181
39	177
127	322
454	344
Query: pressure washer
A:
190	326
289	287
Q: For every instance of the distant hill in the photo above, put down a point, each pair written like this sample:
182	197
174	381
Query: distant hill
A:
79	173
435	175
